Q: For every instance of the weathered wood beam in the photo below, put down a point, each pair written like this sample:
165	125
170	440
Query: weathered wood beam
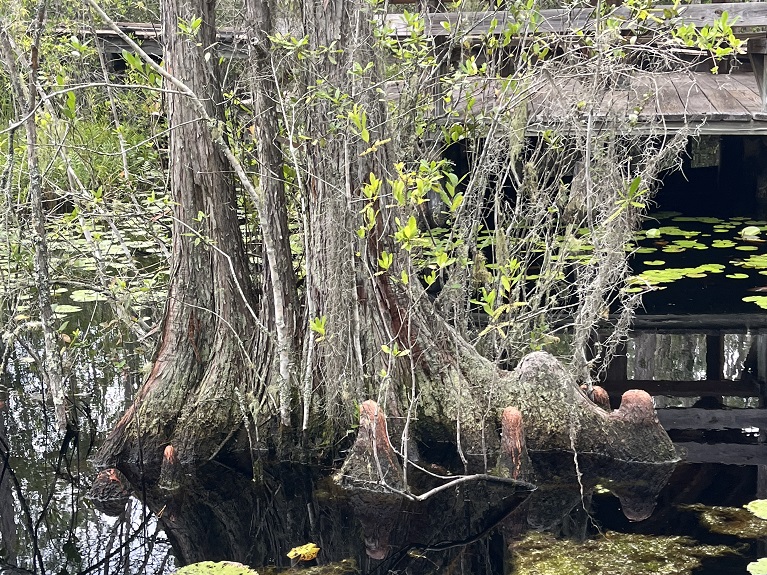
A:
694	418
724	387
701	323
740	15
231	42
757	51
726	453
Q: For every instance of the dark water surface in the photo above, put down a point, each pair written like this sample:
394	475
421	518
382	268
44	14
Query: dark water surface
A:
586	516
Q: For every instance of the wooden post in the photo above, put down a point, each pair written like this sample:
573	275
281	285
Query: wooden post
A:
757	51
617	370
760	342
715	357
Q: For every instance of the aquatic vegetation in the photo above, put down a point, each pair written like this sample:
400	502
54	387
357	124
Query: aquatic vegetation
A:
760	300
216	568
755	261
655	277
542	554
304	552
758	567
758	508
730	521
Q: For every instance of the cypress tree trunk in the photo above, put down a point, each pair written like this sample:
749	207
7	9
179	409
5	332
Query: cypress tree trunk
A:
211	331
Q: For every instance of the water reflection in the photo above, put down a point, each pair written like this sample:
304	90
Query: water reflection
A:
47	522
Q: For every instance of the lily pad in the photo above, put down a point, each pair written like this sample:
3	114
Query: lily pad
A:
690	244
760	300
64	308
754	261
86	296
723	244
701	219
750	231
675	231
758	508
747	248
737	276
758	567
652	233
654	262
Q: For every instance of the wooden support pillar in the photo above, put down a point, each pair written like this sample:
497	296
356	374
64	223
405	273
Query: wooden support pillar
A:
757	51
715	356
760	344
617	370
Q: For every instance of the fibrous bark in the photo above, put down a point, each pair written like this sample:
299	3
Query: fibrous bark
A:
211	331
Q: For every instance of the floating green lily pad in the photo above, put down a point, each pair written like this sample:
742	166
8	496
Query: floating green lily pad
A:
675	231
747	248
652	233
690	244
737	276
754	261
86	296
758	567
758	507
750	231
760	300
723	244
673	250
64	308
664	215
654	262
701	219
645	250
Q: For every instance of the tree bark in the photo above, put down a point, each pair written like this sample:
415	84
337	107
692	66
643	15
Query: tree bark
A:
211	332
26	103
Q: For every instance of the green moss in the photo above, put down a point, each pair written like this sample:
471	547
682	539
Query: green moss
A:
216	568
730	521
345	567
611	554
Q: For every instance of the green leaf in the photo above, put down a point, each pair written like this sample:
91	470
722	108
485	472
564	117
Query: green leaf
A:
86	296
758	567
761	301
63	308
221	568
759	506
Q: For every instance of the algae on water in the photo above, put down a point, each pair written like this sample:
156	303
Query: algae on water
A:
611	554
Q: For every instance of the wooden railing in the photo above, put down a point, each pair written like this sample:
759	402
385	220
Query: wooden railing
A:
742	16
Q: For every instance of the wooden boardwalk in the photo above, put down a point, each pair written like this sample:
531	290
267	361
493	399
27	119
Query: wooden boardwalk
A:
705	103
660	102
667	102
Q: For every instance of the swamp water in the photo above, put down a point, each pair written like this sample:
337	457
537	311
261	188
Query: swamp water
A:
601	518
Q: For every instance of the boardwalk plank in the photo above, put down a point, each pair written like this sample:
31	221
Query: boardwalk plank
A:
729	107
730	84
696	104
669	106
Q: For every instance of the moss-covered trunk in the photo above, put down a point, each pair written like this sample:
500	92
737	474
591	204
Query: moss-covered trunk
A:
210	331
